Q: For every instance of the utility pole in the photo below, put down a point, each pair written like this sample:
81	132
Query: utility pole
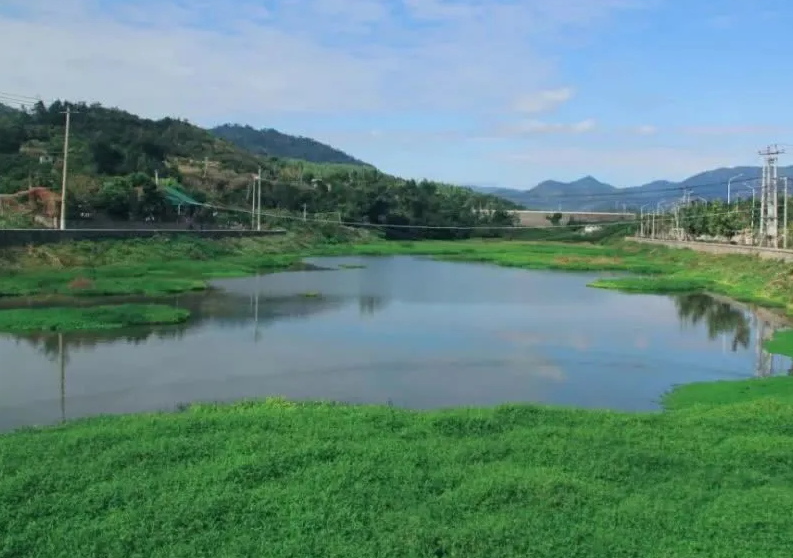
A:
253	202
754	204
657	217
65	166
784	218
641	220
769	202
729	186
259	201
652	228
761	226
775	204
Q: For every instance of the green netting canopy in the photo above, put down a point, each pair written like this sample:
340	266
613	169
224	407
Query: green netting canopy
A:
177	197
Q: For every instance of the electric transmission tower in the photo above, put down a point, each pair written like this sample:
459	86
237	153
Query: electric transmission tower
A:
769	199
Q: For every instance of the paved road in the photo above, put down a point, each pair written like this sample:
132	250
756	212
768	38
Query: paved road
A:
717	248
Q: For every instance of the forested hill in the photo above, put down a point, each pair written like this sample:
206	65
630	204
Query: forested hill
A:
272	142
114	157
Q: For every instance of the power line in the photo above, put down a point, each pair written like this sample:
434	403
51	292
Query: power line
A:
663	216
19	99
19	96
650	195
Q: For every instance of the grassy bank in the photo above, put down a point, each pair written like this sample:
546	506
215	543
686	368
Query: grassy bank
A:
153	267
710	479
89	318
165	266
744	278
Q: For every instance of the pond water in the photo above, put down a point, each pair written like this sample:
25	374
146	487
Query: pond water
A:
411	332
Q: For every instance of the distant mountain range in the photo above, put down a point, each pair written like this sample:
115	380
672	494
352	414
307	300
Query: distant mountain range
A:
268	141
590	194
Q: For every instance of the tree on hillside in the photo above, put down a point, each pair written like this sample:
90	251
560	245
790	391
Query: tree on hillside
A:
274	143
114	156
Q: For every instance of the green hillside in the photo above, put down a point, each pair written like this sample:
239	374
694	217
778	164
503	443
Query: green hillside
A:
115	156
274	143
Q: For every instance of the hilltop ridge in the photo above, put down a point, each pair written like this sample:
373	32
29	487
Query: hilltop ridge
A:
271	142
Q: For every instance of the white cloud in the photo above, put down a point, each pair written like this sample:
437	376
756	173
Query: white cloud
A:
645	130
208	60
543	101
531	127
735	130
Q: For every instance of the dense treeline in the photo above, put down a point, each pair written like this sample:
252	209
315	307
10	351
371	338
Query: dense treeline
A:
114	157
712	219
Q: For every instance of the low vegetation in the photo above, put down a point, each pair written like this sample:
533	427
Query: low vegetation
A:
709	479
153	267
781	343
62	319
743	278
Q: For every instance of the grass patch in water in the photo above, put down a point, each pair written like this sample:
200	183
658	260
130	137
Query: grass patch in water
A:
781	343
729	392
711	478
89	318
653	284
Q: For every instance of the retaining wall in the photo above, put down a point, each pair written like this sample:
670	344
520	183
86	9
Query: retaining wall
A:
23	237
717	248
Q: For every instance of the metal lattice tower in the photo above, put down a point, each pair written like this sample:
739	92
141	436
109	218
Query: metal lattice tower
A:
769	200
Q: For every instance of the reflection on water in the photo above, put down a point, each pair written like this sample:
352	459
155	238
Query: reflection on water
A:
734	324
721	317
220	310
403	331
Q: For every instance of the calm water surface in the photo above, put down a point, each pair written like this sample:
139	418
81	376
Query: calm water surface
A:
412	332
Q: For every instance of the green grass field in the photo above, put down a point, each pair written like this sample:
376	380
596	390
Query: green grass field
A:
711	479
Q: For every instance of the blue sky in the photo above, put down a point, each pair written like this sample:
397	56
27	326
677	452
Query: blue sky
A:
503	92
